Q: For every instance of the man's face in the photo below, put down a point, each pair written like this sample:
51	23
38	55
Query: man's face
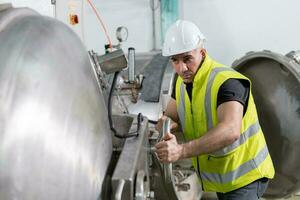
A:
186	64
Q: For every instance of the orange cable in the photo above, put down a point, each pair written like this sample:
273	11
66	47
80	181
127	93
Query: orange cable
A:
103	26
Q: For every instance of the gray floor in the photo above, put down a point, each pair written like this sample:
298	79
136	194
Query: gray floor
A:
213	196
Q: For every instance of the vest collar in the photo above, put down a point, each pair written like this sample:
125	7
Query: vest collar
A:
203	70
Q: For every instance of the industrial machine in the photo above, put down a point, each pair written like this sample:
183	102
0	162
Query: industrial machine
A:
77	125
68	125
276	91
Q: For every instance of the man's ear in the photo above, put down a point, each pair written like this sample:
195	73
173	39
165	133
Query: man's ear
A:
203	52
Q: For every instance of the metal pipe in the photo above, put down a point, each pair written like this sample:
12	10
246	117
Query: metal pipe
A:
131	64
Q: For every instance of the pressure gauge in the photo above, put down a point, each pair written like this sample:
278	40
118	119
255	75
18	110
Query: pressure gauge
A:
122	33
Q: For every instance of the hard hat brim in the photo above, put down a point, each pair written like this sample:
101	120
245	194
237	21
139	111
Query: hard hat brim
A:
166	53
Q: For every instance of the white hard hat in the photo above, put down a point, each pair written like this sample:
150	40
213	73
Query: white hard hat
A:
181	37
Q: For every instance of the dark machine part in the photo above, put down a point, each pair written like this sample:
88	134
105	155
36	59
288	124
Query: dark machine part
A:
55	140
112	62
153	74
276	90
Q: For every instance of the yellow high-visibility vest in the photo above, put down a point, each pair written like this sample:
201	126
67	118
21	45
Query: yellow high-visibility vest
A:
236	165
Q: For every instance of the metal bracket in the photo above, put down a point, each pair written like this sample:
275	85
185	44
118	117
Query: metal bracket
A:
295	56
103	84
112	62
53	2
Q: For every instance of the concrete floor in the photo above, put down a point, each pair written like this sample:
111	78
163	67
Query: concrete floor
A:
213	196
293	197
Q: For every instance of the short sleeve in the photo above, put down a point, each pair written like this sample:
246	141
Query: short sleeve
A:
234	90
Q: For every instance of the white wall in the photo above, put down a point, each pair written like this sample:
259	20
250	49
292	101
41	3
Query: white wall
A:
42	6
234	27
63	8
133	14
136	15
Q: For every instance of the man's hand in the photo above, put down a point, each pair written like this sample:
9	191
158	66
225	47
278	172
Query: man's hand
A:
158	127
169	150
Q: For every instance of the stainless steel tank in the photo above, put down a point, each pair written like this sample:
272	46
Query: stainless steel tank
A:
276	90
55	142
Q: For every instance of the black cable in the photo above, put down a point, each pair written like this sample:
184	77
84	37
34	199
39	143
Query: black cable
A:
139	116
152	121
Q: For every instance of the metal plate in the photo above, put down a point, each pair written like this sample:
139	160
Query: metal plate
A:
276	90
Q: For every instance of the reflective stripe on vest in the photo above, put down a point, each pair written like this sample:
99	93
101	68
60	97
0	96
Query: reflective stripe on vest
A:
252	130
181	106
211	79
240	171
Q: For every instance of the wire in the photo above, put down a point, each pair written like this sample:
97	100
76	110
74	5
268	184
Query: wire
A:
152	4
112	128
101	22
152	121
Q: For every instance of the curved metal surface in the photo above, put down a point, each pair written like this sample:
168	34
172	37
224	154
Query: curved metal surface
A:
276	90
167	169
120	188
140	190
55	141
9	14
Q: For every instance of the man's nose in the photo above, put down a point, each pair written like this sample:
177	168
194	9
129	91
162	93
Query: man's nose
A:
183	66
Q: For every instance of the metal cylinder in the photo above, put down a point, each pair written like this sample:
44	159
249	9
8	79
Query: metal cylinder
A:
54	134
276	90
131	64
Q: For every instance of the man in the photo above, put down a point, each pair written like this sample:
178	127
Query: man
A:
215	108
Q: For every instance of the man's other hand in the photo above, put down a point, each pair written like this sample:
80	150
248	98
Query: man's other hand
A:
168	150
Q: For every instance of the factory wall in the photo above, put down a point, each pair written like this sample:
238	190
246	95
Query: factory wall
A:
234	27
133	14
42	6
136	15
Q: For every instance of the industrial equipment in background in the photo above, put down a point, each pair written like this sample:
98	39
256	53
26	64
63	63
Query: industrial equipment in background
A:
276	91
79	125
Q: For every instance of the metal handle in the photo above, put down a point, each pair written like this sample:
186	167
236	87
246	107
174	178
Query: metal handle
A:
119	190
167	167
166	126
165	129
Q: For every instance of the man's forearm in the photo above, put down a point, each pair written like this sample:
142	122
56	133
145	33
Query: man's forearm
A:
215	139
171	110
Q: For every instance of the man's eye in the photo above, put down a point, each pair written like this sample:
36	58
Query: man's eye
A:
187	60
174	60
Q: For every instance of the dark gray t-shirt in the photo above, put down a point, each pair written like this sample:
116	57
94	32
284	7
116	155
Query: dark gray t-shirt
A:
230	90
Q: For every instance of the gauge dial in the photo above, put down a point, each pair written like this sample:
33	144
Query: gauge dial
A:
122	33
